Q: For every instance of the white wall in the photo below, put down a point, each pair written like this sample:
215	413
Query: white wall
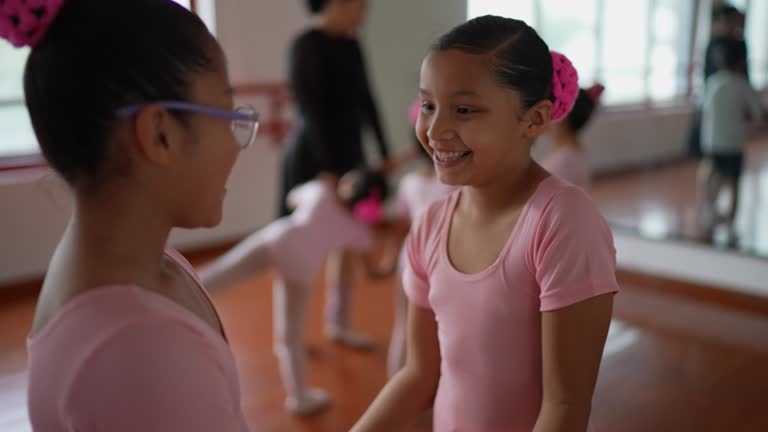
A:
637	137
255	36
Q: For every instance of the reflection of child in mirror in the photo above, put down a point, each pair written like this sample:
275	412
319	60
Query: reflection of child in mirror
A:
728	104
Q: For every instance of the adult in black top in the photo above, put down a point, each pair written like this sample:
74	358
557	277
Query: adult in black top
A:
330	87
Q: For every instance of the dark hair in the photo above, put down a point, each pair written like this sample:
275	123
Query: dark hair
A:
582	111
367	183
520	59
99	56
724	11
316	6
730	53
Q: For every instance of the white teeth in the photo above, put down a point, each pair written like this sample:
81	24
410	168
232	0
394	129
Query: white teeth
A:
448	156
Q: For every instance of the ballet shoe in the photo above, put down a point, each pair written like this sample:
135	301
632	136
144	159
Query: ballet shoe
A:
311	402
349	338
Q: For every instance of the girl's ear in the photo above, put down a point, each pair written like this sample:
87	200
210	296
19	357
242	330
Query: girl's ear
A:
537	120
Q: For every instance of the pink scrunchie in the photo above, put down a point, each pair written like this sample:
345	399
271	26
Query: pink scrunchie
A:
25	22
565	86
369	210
413	112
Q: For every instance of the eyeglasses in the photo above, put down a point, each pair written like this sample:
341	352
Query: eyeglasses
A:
245	119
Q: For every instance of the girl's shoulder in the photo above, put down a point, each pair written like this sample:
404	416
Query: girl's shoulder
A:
557	195
559	207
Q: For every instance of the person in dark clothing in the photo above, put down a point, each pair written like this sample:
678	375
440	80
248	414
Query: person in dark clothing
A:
727	27
329	82
334	103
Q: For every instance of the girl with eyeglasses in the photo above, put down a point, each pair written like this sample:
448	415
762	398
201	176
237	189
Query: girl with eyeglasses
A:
131	104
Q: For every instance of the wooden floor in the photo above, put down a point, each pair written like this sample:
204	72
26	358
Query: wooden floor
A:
670	364
661	202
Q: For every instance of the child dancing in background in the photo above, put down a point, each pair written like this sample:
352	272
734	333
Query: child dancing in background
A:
329	214
729	103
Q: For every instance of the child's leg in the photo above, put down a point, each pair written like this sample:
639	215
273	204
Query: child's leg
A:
291	300
733	205
249	257
338	297
734	168
708	189
338	294
396	354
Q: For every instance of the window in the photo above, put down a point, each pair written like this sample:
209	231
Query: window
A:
186	3
17	137
639	49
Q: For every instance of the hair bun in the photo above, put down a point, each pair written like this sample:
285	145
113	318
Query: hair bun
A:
565	86
25	22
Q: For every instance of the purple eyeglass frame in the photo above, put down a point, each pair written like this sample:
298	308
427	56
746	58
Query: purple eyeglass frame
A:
132	110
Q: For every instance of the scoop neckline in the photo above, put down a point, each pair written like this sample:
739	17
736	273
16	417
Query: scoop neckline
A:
513	234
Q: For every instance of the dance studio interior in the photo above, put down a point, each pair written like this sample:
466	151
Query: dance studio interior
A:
687	345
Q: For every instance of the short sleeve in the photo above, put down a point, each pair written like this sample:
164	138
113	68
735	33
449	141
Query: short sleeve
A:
152	376
572	251
415	275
